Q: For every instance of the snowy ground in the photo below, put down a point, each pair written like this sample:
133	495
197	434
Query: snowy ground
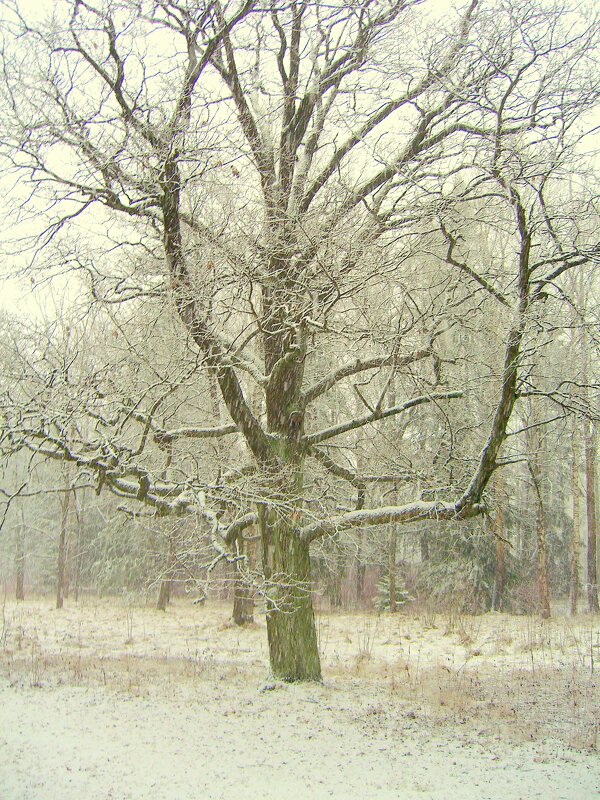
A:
104	700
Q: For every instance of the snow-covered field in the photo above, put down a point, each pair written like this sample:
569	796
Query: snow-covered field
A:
109	700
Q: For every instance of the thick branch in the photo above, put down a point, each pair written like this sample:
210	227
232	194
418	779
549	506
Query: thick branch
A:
194	433
386	514
489	454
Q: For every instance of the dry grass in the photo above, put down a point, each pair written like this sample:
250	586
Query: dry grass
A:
517	677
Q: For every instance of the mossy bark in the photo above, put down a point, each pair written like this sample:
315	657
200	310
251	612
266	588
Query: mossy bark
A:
291	631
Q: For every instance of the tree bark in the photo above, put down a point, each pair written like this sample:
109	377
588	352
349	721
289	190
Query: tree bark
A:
291	631
590	486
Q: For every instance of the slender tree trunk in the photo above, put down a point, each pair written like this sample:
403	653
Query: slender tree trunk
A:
360	569
68	562
541	539
392	528
336	575
251	545
591	511
164	595
79	502
499	530
392	547
291	630
243	594
243	604
335	586
20	560
62	543
166	584
543	589
499	575
574	566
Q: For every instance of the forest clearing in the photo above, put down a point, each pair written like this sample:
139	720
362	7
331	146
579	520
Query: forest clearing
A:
109	699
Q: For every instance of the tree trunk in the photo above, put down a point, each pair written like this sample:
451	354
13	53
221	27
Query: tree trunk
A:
360	569
336	575
166	584
392	546
499	574
243	604
243	593
500	547
291	631
79	500
164	595
590	486
335	586
574	571
20	560
543	590
541	537
62	545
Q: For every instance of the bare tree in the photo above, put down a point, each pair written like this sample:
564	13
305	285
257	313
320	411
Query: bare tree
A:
294	191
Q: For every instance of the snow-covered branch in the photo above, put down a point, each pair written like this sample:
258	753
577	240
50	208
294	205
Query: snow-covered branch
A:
411	512
379	414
